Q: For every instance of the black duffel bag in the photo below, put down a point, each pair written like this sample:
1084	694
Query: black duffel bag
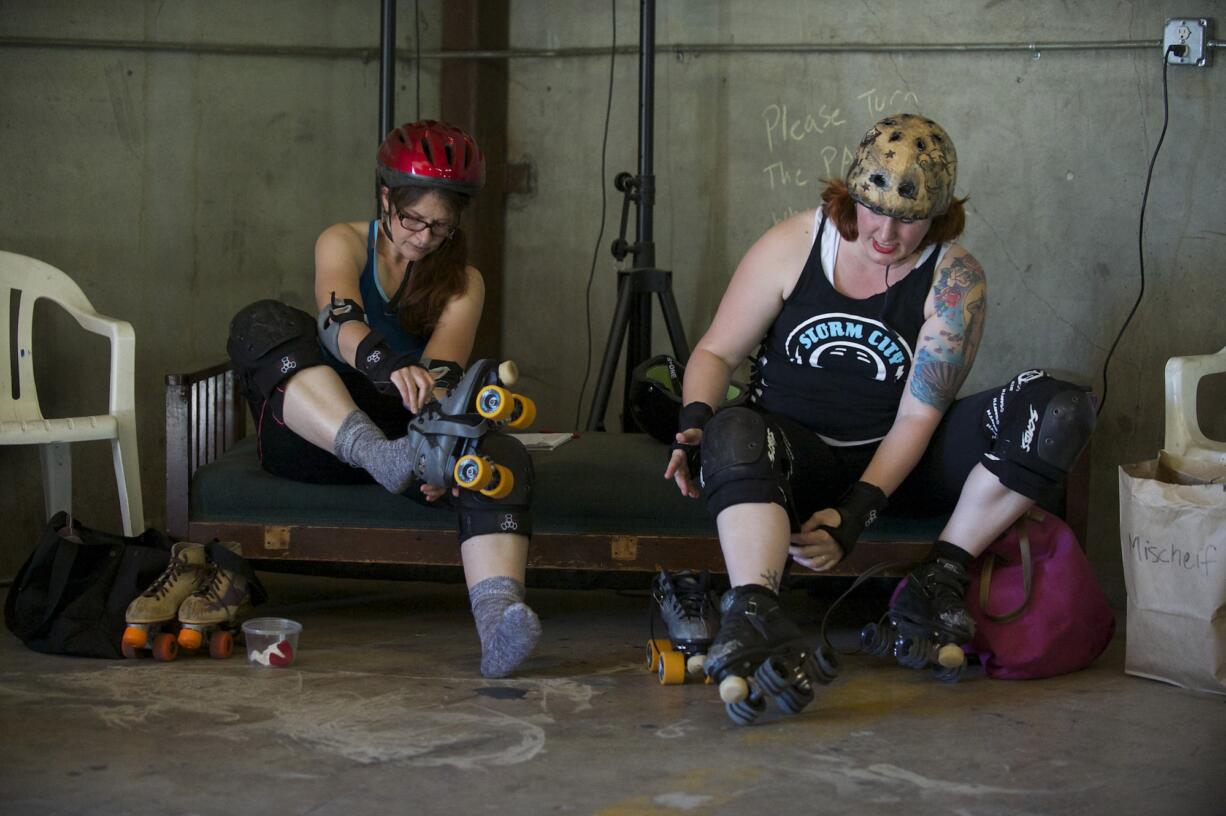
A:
71	594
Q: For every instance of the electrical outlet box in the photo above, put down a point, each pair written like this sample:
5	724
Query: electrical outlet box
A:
1193	34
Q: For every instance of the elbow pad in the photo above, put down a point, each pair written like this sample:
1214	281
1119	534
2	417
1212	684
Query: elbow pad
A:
332	317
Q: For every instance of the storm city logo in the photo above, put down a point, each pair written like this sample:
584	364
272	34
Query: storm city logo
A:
856	345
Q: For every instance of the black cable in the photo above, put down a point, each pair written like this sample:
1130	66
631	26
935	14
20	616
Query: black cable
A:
417	47
1141	227
591	275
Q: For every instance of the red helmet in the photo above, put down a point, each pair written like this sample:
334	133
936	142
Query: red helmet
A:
432	154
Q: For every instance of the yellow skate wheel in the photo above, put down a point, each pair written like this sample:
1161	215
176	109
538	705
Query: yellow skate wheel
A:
495	403
524	413
654	647
190	639
165	648
672	668
135	637
502	484
951	656
695	664
733	689
473	472
221	644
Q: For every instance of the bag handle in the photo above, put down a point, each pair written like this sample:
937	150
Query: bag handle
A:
64	554
985	577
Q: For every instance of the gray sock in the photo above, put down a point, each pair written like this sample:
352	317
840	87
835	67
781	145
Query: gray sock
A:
360	443
508	628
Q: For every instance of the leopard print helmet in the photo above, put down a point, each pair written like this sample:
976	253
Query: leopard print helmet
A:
905	167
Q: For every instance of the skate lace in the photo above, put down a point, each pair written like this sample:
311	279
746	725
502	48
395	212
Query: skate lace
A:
212	588
161	586
690	595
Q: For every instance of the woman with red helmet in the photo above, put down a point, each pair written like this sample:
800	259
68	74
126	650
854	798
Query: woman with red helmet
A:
399	305
863	317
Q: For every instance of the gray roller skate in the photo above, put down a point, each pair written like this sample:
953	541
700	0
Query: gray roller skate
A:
446	432
928	621
759	655
687	605
151	618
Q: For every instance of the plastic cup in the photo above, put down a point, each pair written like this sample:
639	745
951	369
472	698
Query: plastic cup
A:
271	642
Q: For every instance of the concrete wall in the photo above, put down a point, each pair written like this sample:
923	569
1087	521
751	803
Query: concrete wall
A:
176	187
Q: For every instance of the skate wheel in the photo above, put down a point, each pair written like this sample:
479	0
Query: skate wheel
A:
128	651
135	637
695	665
502	484
876	640
773	675
494	403
951	656
508	373
473	472
733	689
190	639
672	668
948	674
221	644
824	665
793	699
654	648
165	647
745	711
524	413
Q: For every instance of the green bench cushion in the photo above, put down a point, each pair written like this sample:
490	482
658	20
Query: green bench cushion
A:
597	483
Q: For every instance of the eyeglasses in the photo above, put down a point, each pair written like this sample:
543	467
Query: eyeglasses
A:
415	223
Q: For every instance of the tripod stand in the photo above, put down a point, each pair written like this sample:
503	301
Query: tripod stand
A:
636	285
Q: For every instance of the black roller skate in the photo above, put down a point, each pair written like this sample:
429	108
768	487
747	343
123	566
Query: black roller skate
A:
759	654
446	433
688	607
928	622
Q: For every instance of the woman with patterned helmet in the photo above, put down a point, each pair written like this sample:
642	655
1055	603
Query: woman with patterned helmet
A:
863	317
333	394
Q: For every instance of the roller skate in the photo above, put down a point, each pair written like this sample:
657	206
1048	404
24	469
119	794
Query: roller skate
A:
213	613
927	622
759	655
689	610
152	616
447	431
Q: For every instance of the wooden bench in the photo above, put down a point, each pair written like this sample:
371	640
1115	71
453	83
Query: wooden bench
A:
600	503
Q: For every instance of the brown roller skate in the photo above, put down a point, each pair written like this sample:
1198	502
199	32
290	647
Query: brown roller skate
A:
214	612
152	616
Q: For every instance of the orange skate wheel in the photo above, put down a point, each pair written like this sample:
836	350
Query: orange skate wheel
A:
190	639
495	403
473	472
165	647
672	668
951	656
221	644
502	484
524	413
654	647
135	637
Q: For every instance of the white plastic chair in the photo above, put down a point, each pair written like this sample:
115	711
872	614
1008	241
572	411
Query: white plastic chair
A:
1183	433
23	281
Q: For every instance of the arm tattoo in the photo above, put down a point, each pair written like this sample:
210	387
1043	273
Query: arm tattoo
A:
771	578
944	358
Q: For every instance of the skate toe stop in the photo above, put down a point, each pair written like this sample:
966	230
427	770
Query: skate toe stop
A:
951	656
733	689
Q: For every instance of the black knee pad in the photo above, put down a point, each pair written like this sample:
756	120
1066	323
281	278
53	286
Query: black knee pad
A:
745	459
1041	425
269	341
481	515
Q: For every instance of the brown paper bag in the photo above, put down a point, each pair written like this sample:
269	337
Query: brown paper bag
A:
1173	536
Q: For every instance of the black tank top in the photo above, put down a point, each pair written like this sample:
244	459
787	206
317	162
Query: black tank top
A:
838	365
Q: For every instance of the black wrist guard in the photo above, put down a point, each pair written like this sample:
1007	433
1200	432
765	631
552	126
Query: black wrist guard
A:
377	361
858	509
694	415
447	375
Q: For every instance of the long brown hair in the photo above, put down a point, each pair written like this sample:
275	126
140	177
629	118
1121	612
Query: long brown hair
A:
439	276
841	209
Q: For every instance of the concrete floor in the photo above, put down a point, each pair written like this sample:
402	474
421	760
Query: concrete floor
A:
384	712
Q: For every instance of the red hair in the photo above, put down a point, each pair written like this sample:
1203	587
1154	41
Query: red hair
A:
841	209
